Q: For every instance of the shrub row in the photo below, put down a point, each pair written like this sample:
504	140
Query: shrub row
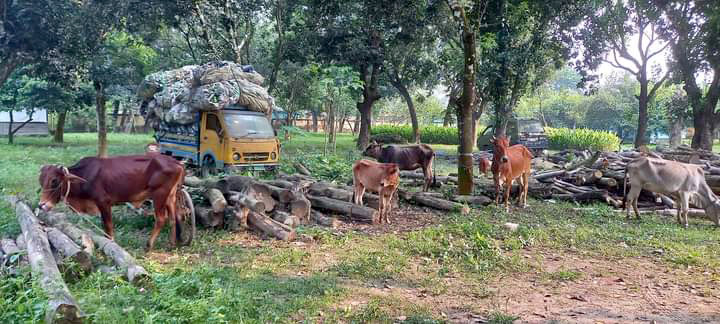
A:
582	139
428	134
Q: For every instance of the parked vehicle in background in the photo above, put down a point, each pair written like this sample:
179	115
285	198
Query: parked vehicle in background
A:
232	139
528	132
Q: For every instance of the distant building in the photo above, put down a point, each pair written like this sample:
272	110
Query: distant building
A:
38	125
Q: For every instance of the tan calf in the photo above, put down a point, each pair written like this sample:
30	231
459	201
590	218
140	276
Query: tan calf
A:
381	178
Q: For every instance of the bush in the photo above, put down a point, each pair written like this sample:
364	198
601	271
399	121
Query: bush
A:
388	139
428	134
582	139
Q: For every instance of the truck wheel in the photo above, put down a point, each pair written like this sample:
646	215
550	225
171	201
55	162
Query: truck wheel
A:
207	168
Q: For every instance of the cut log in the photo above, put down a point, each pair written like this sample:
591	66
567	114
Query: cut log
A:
712	180
20	241
570	187
588	177
607	182
617	175
344	208
68	249
78	236
285	218
590	196
416	175
123	260
62	307
549	175
436	203
270	226
344	193
300	208
209	218
217	200
280	183
692	212
301	168
323	220
282	195
587	162
241	199
239	218
9	246
196	182
249	187
473	200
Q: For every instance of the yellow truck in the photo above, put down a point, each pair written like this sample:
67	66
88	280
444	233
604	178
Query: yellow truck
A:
231	139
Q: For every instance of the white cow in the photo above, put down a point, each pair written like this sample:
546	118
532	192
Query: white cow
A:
681	181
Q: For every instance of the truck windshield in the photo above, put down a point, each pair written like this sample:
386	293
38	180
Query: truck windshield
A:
241	125
530	126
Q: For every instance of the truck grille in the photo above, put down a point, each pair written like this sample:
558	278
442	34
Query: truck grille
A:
256	156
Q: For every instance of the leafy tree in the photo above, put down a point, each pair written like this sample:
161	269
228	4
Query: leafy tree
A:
12	95
607	38
693	30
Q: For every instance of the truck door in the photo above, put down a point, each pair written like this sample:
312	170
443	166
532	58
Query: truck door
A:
210	135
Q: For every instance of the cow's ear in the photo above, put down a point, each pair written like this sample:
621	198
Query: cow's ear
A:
492	140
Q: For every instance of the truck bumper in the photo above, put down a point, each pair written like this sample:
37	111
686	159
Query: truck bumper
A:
251	167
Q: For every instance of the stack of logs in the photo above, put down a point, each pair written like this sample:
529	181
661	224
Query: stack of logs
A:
54	247
276	207
585	177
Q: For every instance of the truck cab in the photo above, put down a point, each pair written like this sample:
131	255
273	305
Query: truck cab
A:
232	139
528	132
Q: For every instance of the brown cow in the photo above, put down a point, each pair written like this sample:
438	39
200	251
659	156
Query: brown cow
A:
93	185
382	178
410	157
510	163
484	166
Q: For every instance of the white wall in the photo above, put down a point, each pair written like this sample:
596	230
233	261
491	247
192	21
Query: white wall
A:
40	116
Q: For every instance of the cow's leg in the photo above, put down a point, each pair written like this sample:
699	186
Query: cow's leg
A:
685	201
170	211
359	193
381	204
497	190
160	218
631	200
106	215
508	188
389	205
526	186
427	171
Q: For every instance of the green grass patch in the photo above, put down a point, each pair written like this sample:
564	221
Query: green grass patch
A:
562	275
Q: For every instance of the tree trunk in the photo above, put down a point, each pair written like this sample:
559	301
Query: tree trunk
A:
315	121
101	120
123	260
369	76
344	208
115	113
400	86
59	135
7	67
465	113
10	128
642	114
451	106
356	127
676	128
62	307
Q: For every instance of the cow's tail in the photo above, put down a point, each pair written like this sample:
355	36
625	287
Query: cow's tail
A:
432	160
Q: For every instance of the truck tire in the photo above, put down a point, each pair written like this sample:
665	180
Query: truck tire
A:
207	168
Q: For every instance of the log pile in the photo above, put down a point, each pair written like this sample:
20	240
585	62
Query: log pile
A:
56	251
276	207
583	176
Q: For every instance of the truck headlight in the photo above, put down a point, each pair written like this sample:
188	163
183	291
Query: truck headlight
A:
273	156
237	156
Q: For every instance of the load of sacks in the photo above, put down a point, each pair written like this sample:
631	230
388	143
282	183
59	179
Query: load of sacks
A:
175	97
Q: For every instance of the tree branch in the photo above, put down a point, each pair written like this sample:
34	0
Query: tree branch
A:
617	64
658	84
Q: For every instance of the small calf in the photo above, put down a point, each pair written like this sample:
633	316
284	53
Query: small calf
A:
484	166
382	178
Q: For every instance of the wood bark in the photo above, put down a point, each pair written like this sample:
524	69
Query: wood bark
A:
101	118
324	220
68	249
244	200
135	273
590	196
326	190
271	227
59	135
9	246
20	242
369	75
398	83
346	209
549	175
285	218
217	200
62	307
473	200
434	202
209	218
302	169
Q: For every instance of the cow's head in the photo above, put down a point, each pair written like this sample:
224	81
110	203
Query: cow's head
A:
500	148
54	182
373	150
392	175
484	165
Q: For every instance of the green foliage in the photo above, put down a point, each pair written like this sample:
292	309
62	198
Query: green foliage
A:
582	139
21	301
428	134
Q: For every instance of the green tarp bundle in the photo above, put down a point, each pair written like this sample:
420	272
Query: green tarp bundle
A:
176	96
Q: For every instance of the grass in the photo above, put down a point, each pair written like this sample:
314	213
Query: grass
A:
226	277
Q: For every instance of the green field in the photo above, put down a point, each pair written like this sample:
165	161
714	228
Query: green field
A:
457	264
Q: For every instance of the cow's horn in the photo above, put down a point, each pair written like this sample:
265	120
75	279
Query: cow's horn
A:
65	170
